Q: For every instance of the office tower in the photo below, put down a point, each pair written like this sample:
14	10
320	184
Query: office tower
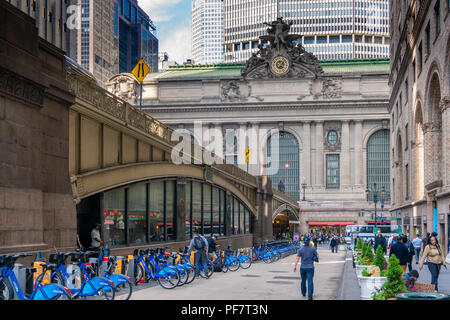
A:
207	31
50	16
330	29
136	33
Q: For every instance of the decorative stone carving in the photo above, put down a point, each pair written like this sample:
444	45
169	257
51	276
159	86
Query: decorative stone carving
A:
444	103
431	126
230	91
282	58
125	87
327	128
21	88
331	89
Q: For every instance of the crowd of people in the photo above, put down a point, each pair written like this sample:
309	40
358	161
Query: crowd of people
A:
425	251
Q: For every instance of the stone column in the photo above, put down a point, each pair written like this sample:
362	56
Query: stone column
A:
358	169
306	161
319	183
345	155
242	145
445	109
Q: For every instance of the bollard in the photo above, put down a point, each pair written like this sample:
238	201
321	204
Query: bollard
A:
20	273
130	271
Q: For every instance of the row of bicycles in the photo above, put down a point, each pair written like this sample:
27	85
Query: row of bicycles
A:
98	275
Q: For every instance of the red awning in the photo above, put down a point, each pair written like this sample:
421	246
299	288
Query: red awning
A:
331	223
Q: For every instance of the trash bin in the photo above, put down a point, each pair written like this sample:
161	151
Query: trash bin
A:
422	296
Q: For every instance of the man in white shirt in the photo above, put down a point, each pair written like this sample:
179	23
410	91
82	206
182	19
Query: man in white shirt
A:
417	245
97	241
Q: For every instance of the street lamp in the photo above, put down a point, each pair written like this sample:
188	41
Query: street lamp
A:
375	192
304	185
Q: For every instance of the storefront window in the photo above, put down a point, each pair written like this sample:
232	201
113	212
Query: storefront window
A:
223	212
235	216
170	206
196	207
241	218
247	221
136	214
188	209
114	217
156	212
216	211
206	209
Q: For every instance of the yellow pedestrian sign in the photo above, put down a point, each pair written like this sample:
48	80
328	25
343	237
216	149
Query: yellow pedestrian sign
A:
248	153
141	70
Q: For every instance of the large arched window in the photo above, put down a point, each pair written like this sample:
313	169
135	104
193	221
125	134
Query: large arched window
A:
378	162
286	179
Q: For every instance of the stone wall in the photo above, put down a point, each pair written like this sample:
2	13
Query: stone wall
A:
36	207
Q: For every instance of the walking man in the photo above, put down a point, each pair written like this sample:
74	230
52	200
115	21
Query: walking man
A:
417	243
308	254
380	240
333	244
199	245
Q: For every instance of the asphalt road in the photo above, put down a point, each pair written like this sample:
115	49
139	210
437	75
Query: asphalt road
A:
276	281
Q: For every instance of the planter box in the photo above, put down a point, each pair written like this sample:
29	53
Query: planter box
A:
359	269
370	285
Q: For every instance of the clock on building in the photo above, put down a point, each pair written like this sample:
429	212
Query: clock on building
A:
280	65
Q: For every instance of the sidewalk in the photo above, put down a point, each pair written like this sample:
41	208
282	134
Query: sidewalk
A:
350	289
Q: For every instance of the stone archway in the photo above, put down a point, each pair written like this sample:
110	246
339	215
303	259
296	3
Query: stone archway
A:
433	135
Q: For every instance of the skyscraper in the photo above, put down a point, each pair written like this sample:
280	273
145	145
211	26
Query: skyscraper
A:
207	31
136	33
330	29
50	17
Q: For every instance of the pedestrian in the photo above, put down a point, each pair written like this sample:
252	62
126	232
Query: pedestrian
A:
333	244
425	241
212	247
417	243
199	245
380	240
308	254
436	259
97	241
400	251
411	252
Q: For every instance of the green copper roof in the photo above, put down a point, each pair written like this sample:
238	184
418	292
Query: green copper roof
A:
226	70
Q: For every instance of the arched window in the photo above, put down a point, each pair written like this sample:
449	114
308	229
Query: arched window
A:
378	162
286	179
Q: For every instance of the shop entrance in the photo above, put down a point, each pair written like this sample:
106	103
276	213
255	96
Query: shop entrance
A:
281	225
88	214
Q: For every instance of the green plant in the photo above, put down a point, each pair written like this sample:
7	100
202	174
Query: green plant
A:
379	296
367	255
394	283
366	273
379	259
359	245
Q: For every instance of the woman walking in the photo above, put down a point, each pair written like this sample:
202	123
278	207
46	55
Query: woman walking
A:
436	259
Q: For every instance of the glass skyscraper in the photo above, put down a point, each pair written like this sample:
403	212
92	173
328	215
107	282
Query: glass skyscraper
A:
330	29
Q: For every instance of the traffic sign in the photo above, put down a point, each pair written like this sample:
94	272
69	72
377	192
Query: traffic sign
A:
141	70
248	153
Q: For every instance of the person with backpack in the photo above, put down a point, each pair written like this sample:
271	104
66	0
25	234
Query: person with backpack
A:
199	245
411	252
309	255
435	256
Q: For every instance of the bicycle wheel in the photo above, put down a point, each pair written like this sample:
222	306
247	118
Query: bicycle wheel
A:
124	291
63	296
183	275
233	264
108	292
191	274
6	291
168	279
58	278
138	273
207	272
245	262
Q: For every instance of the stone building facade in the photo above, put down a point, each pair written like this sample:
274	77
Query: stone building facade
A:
420	115
329	116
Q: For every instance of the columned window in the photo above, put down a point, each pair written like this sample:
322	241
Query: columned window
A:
378	162
286	179
333	171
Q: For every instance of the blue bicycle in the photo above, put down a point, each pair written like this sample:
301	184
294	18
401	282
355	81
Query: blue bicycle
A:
91	285
9	283
168	277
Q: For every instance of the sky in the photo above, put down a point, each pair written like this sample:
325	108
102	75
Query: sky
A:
173	22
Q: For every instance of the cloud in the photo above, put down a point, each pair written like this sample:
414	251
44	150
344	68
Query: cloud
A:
158	10
177	44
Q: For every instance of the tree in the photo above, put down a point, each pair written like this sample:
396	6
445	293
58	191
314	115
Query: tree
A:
380	262
394	283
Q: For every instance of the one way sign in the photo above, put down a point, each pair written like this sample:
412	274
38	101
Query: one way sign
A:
141	70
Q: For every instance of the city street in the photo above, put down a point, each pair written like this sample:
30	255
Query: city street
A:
262	281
